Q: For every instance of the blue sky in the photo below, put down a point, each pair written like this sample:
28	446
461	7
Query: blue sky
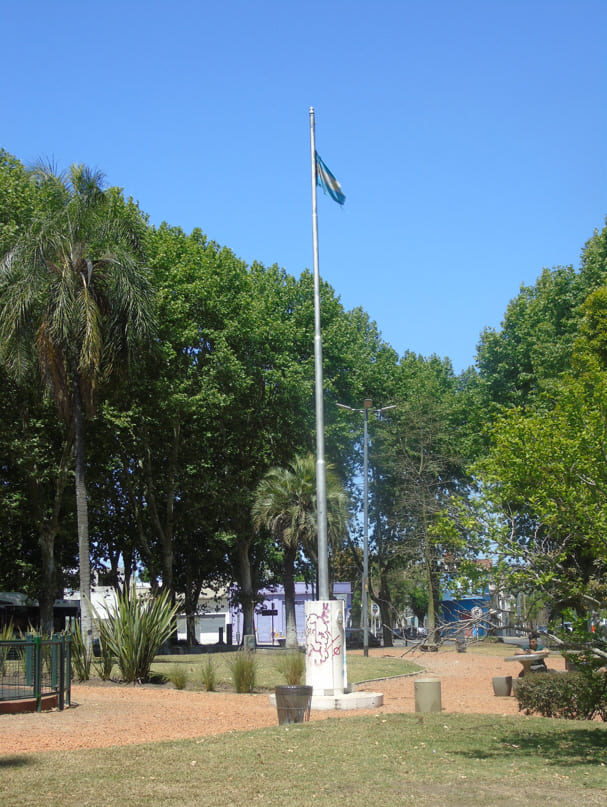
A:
469	136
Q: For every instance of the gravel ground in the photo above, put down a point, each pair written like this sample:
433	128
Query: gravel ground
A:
103	715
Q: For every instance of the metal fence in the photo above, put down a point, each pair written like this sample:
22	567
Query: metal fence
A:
34	668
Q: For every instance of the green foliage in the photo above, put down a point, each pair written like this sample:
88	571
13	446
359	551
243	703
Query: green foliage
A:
546	476
36	509
105	663
418	600
6	633
431	760
571	696
174	456
82	233
134	631
285	505
75	306
534	344
422	492
292	666
243	669
17	200
208	674
82	656
267	677
594	260
178	676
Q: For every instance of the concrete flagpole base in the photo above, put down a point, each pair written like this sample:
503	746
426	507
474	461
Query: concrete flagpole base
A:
326	667
344	702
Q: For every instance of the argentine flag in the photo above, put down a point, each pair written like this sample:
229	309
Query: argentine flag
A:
327	182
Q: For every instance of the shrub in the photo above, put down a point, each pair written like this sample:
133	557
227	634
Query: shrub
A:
209	674
105	663
573	696
292	666
81	657
243	669
178	676
134	631
7	631
6	634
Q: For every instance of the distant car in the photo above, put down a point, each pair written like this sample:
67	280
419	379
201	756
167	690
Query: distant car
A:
355	639
413	633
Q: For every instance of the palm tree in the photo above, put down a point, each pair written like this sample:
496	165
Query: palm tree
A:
285	504
75	302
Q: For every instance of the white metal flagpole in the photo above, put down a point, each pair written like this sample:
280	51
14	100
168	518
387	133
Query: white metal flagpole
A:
321	472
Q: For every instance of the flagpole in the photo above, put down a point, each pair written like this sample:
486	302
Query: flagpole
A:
321	471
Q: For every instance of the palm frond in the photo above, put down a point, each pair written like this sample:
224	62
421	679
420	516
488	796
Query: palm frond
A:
73	289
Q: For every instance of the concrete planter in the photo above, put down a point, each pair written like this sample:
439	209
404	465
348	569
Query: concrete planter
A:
502	686
427	695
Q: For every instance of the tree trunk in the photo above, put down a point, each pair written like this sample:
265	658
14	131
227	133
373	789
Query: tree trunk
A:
48	529
290	554
192	595
433	584
47	596
164	530
432	579
385	604
247	595
86	619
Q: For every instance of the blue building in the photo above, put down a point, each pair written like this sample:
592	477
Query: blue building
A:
457	608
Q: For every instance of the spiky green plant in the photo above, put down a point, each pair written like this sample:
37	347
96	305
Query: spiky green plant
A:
6	634
243	669
81	656
178	676
209	674
7	631
105	663
135	629
292	666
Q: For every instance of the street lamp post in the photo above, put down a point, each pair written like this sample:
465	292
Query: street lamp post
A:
368	404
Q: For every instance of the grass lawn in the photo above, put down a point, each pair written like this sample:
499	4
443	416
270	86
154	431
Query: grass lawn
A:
429	760
268	676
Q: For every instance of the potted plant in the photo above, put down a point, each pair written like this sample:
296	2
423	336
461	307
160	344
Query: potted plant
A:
293	699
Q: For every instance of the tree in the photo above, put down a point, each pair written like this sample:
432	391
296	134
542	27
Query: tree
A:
533	348
593	268
544	476
227	399
36	515
546	479
421	486
17	200
285	504
75	299
534	344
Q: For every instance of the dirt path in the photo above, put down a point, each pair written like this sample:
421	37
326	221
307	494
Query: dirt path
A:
110	715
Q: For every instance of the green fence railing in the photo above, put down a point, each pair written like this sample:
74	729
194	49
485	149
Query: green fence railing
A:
34	668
